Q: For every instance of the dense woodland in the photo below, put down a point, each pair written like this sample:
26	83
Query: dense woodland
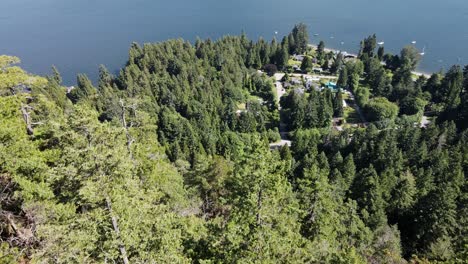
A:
169	162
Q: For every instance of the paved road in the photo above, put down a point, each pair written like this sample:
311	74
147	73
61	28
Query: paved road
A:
314	76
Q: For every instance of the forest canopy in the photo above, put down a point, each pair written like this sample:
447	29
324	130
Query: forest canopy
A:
169	161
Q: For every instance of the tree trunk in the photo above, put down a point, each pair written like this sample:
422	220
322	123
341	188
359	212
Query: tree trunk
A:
27	119
123	251
130	139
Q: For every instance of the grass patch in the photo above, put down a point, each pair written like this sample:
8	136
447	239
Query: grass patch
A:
351	116
292	62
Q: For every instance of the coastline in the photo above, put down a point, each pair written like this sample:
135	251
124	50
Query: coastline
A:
417	73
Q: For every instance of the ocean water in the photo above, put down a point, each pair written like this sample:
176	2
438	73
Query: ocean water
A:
78	35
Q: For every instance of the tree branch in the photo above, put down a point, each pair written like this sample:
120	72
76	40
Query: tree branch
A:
130	139
27	119
123	251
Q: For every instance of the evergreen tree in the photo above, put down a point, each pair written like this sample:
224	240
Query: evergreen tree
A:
452	86
321	51
84	90
301	37
343	78
338	104
381	53
56	75
282	57
368	194
307	64
337	64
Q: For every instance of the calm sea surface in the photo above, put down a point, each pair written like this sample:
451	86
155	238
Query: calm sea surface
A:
78	35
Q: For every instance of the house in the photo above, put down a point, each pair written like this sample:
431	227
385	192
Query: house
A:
331	86
317	70
298	57
312	78
296	68
296	81
300	91
350	56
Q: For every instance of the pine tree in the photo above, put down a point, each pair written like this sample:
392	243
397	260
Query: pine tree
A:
348	171
343	78
381	53
337	64
306	65
368	193
84	90
282	57
56	75
322	219
452	86
338	104
301	37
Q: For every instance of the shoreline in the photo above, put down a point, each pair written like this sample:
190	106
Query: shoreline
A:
417	73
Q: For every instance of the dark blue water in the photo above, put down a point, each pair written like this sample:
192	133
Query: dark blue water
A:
78	35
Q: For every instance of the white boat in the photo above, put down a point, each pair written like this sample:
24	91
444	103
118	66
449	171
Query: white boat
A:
381	43
316	34
276	32
413	42
423	52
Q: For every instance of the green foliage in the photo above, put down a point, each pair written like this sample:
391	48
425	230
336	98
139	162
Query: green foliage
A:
12	77
300	37
380	109
343	78
338	104
368	46
169	162
307	64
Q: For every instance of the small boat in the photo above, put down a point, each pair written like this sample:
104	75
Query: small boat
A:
316	34
381	43
276	32
342	42
413	42
423	52
332	37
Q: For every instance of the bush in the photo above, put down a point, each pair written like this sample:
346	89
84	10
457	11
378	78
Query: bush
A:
412	105
273	135
270	69
379	109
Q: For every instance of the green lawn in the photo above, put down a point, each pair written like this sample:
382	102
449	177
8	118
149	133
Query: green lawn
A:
292	62
351	116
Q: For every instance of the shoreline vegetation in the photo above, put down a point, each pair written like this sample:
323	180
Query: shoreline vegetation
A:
169	160
336	51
